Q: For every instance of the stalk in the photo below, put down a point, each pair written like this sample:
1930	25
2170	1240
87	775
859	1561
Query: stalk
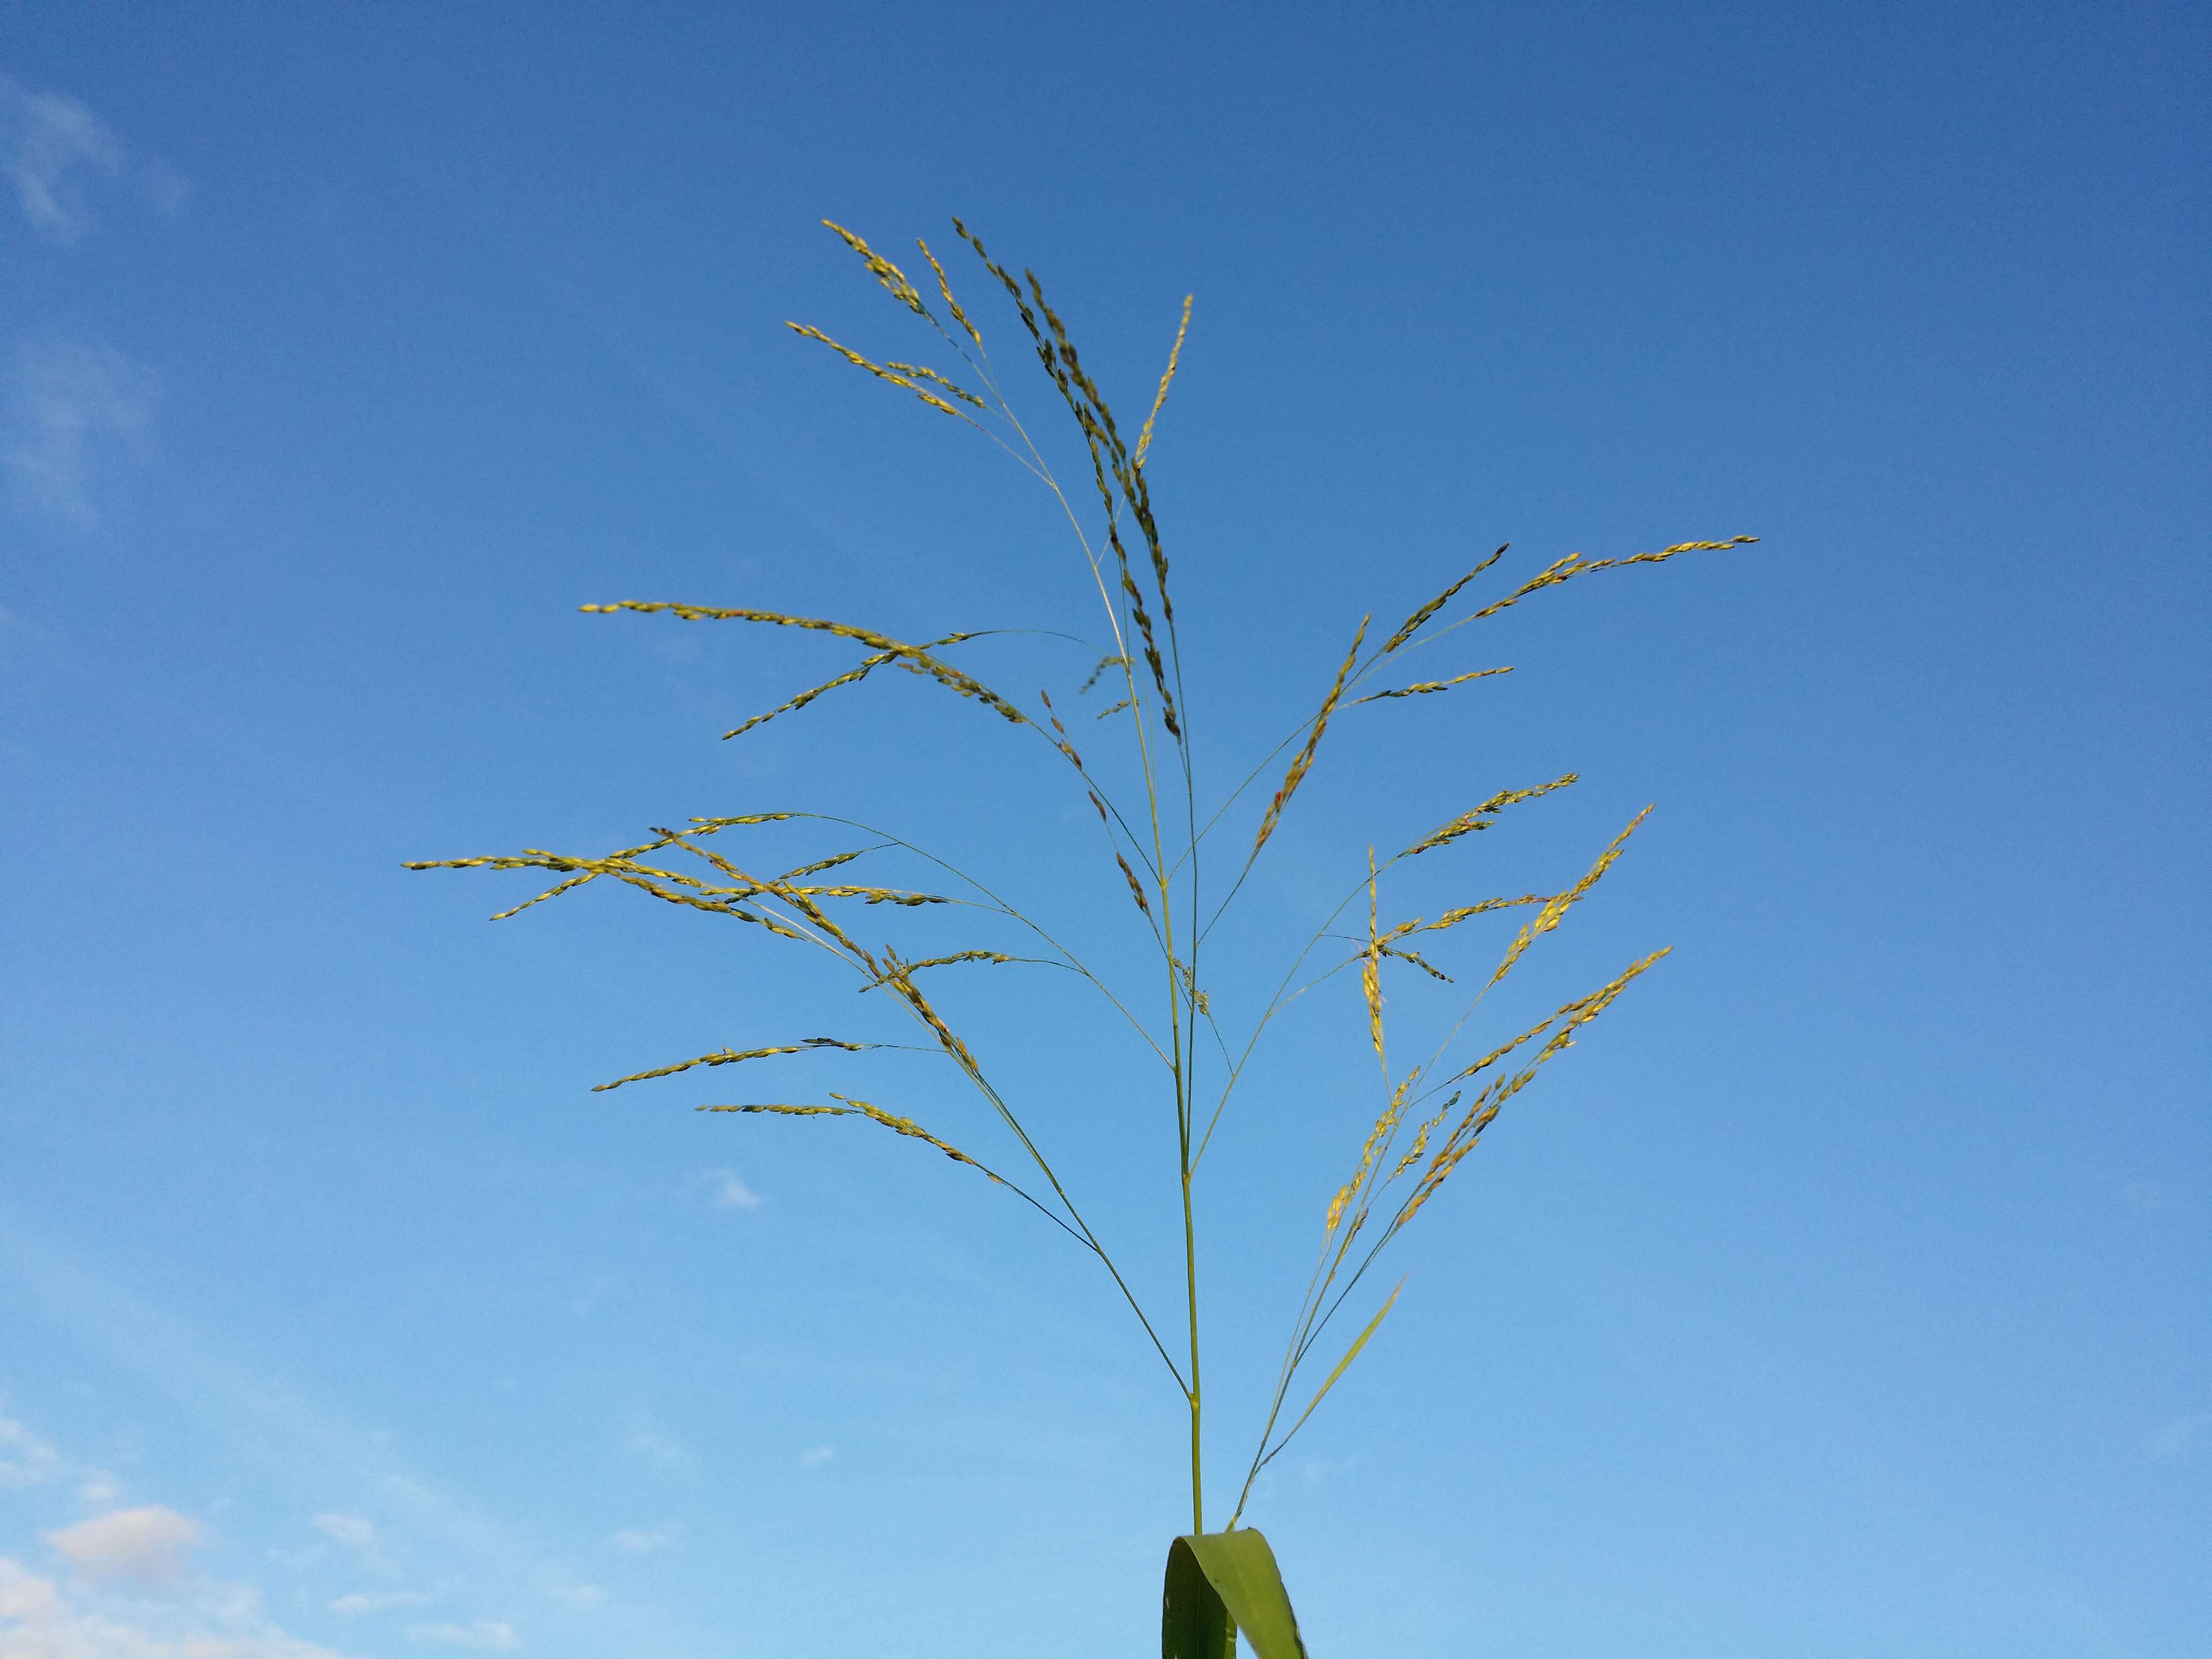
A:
1190	1286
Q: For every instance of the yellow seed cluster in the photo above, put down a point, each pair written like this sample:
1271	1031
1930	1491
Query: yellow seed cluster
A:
1299	766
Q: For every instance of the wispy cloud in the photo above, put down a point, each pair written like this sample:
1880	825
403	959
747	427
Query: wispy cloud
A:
2177	1437
363	1602
643	1540
663	1449
817	1457
144	1547
47	143
63	399
725	1192
490	1566
490	1634
25	1459
38	1621
356	1532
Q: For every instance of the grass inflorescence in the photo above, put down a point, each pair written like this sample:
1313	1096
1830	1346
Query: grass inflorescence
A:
1429	1112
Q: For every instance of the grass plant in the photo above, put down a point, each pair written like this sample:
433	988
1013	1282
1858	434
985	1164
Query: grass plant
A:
1185	848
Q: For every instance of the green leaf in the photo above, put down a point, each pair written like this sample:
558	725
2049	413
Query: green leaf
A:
1219	1583
1350	1354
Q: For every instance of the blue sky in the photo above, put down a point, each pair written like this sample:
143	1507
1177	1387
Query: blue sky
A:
1843	1292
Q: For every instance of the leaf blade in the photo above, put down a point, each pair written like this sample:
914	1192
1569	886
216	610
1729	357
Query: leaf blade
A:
1219	1584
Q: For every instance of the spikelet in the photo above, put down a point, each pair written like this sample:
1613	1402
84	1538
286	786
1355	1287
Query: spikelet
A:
1378	1139
1370	972
554	891
730	1056
1413	1153
1400	954
890	372
965	684
1427	686
1485	1108
900	978
893	279
1482	816
1558	906
1136	888
906	1126
945	287
832	862
1298	767
1412	625
1453	918
850	677
922	371
1336	1207
1104	663
1576	565
850	1107
783	1109
1013	289
947	962
663	884
1109	455
1167	379
1061	740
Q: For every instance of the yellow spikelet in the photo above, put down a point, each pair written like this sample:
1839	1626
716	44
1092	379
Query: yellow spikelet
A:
893	279
1485	1108
892	373
1412	625
1336	1206
945	287
1480	817
1370	972
1427	686
915	656
1413	1153
1557	907
1575	565
849	1107
1298	767
1453	918
730	1056
1160	399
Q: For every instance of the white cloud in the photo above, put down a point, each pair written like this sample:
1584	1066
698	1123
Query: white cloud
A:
655	1447
817	1457
577	1595
141	1546
489	1633
37	1621
363	1602
2175	1438
500	1564
45	142
725	1192
63	396
356	1532
643	1540
24	1460
167	188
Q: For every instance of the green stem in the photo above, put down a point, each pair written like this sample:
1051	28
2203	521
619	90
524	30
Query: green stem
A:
1190	1285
